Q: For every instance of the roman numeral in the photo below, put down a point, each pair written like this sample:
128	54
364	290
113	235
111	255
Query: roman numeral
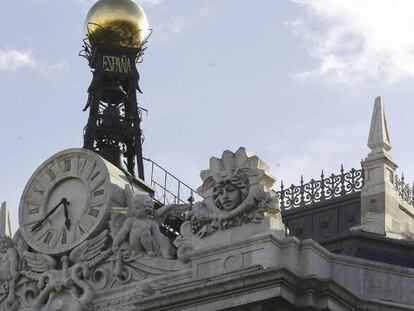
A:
32	211
40	191
51	174
48	238
35	229
67	165
80	229
34	199
81	164
64	238
87	169
95	175
74	166
97	179
94	212
40	233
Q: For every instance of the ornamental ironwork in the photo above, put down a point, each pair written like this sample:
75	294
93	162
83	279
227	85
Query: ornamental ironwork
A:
315	191
404	189
114	124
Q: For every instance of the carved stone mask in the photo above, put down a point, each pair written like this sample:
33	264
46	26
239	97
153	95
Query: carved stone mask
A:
229	197
230	190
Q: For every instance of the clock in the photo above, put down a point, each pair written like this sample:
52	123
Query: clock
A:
69	199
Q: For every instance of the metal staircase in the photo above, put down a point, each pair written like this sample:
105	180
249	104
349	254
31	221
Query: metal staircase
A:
168	188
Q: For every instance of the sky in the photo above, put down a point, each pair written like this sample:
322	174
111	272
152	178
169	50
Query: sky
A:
294	81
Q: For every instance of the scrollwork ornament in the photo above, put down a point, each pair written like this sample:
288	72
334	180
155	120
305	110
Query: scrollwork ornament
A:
315	191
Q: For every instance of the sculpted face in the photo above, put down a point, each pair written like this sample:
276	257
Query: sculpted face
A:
148	203
230	197
5	244
141	205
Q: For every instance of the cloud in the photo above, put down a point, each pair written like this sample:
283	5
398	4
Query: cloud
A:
176	25
14	59
180	23
51	70
356	41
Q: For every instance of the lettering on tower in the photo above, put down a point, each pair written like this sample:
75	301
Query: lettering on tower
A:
116	64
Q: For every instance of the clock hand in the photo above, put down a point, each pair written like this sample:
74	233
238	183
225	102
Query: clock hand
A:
40	223
67	221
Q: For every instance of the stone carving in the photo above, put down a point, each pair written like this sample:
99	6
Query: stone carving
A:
20	246
72	282
138	234
67	288
8	260
236	190
8	273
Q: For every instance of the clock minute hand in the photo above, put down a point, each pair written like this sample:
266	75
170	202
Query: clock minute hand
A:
67	221
40	223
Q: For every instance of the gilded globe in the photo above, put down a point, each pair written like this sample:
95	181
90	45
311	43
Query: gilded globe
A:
117	22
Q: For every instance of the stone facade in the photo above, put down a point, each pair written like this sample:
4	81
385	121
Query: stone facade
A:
233	251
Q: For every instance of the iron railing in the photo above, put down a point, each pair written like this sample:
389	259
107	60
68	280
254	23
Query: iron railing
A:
404	189
321	190
168	188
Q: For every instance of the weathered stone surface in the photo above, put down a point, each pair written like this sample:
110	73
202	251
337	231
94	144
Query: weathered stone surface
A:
284	270
5	227
238	203
382	210
379	138
244	263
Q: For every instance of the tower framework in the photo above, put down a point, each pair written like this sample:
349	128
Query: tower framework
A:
114	125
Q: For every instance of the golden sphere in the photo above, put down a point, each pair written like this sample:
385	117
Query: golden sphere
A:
117	22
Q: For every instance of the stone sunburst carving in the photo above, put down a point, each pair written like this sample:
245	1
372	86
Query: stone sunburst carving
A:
243	163
237	190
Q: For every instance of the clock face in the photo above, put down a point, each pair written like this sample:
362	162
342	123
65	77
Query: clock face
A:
65	201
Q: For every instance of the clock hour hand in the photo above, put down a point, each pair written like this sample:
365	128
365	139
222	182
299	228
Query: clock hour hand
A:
67	221
40	223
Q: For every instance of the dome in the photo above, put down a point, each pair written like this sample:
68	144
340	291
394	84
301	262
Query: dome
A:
117	22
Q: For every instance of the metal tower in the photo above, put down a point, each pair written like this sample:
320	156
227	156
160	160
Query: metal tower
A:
113	129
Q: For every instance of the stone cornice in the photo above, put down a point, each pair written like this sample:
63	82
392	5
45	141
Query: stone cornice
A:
247	286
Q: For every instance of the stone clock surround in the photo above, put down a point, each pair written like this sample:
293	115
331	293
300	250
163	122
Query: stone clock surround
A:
92	187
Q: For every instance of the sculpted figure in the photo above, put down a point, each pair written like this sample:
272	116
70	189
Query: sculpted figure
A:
8	273
138	233
140	230
67	288
61	294
8	260
237	190
232	203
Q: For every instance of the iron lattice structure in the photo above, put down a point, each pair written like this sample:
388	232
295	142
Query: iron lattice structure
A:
114	125
404	189
315	191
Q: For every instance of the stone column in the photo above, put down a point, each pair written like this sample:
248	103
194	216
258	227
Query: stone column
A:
5	226
380	211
